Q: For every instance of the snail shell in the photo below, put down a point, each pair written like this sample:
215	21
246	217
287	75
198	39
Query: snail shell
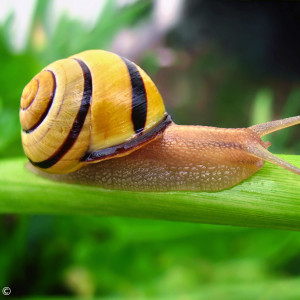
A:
97	106
89	107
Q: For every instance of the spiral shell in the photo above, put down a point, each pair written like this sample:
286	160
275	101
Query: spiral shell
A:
89	107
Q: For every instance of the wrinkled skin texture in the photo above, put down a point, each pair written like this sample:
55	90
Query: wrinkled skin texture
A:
196	158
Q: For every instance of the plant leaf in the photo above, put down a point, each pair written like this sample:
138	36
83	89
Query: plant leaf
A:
270	198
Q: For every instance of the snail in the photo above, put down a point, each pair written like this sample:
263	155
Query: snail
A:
97	118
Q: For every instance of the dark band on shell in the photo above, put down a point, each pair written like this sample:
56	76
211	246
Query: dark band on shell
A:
139	97
78	123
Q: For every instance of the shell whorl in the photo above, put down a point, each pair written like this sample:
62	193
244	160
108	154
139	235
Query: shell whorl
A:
92	106
60	119
32	112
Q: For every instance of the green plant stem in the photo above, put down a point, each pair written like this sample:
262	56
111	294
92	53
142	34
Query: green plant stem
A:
270	198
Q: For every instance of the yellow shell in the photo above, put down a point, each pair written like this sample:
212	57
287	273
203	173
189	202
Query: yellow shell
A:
89	107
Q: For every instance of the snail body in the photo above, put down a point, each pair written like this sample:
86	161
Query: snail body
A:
96	118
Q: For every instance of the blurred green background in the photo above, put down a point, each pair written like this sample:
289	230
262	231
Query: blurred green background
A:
220	63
